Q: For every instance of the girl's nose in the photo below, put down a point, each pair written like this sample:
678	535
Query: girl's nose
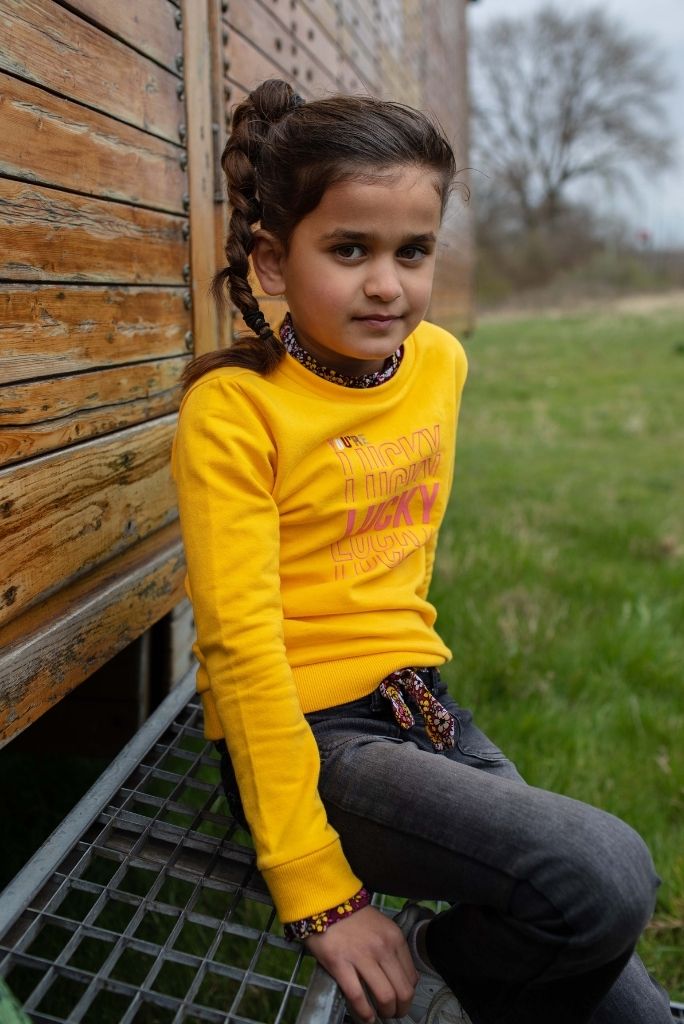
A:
382	282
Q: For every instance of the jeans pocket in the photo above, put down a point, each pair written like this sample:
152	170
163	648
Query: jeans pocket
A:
471	741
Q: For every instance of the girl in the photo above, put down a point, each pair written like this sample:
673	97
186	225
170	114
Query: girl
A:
313	467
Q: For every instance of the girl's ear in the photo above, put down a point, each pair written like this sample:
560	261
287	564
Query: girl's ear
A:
268	258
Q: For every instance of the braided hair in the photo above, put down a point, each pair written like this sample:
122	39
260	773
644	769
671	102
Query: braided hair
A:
281	157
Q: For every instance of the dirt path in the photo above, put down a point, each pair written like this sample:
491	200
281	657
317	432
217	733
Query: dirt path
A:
644	303
649	303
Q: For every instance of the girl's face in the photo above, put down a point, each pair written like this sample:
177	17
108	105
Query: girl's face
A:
358	271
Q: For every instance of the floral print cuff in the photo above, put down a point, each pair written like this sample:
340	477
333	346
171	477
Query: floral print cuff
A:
316	924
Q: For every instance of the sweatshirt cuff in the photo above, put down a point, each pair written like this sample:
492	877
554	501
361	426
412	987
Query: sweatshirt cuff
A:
316	924
310	884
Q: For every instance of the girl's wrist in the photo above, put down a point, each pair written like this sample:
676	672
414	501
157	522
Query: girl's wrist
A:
316	924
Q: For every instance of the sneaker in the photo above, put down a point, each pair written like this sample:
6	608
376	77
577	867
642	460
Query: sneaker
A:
433	1001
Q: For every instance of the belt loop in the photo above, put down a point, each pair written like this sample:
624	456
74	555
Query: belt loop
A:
430	677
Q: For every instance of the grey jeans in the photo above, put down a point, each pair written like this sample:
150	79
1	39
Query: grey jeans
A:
548	895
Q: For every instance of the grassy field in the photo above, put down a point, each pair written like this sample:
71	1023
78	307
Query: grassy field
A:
560	583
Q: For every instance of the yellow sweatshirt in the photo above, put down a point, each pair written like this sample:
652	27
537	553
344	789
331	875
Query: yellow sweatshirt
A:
309	514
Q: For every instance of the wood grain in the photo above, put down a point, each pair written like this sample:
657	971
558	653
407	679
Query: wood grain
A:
47	329
220	127
63	514
52	648
54	48
363	23
297	42
248	66
41	416
180	638
43	133
50	235
325	12
201	170
149	27
359	65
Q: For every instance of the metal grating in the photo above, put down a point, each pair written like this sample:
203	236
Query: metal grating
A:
153	911
146	907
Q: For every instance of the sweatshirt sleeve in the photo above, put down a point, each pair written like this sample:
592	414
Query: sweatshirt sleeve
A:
224	466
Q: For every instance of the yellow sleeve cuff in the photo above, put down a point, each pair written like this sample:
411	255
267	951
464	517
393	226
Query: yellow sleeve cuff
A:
310	884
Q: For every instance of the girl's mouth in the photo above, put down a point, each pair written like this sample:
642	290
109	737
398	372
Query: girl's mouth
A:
377	319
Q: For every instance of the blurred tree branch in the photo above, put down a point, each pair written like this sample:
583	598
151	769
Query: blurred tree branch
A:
560	99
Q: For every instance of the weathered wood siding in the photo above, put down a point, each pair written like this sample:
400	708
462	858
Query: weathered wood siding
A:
112	117
96	324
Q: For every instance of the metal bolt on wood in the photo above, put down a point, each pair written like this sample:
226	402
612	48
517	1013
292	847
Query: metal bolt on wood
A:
186	272
179	19
189	342
182	133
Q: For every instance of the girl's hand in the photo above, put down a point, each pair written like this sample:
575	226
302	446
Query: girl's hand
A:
367	951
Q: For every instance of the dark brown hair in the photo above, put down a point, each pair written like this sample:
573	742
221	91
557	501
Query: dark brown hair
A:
281	157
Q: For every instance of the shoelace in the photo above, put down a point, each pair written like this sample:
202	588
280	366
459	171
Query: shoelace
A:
439	723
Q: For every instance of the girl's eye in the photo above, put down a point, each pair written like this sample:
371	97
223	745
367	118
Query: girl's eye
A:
349	251
412	253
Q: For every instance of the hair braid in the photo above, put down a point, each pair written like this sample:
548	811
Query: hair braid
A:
251	122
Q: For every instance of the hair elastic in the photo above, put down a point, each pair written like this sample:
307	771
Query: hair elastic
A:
255	320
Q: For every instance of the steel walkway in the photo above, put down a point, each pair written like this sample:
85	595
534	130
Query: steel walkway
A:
145	905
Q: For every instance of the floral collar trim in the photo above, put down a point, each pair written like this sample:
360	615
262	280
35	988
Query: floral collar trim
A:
366	380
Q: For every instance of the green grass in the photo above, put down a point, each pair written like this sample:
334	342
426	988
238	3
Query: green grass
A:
560	579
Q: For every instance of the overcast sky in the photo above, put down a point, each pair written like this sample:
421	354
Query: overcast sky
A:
659	207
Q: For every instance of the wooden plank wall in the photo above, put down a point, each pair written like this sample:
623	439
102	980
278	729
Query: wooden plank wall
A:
96	325
112	118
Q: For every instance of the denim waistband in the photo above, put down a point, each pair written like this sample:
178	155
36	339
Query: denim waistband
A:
430	676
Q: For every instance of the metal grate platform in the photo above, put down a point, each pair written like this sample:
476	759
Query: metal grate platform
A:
146	907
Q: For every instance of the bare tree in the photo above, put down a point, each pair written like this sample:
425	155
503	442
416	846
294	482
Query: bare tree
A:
559	99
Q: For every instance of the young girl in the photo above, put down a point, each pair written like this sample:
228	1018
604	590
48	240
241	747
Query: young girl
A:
313	466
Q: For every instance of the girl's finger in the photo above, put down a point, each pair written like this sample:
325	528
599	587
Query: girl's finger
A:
401	977
380	987
409	968
360	1007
